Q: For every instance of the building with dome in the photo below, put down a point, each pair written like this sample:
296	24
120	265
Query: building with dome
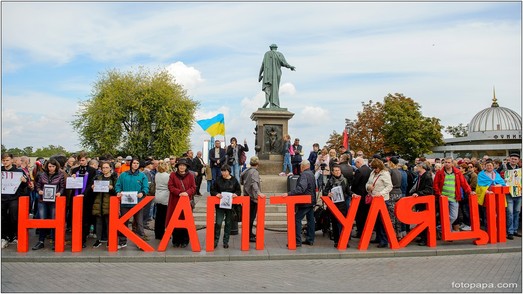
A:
494	131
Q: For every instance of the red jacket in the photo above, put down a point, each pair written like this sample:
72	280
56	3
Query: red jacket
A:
461	182
176	187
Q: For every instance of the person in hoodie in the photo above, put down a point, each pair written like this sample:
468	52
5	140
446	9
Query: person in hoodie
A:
132	180
338	180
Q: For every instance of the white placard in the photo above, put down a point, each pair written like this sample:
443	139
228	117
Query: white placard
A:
226	201
49	193
74	183
101	186
11	181
337	194
129	197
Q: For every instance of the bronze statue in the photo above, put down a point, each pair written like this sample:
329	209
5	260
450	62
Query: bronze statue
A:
270	72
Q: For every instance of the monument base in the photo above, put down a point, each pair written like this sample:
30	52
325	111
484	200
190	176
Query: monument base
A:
271	125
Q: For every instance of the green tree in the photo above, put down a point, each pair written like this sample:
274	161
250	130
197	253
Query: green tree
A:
28	151
457	131
49	151
365	131
407	132
15	151
4	150
138	113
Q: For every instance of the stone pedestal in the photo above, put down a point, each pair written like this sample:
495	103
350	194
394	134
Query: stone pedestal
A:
271	125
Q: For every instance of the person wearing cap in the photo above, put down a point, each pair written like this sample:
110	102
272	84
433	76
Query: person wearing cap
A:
132	180
126	166
250	179
225	183
181	184
296	158
236	156
270	73
512	175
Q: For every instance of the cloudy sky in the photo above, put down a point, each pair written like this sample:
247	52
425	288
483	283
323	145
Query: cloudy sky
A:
446	56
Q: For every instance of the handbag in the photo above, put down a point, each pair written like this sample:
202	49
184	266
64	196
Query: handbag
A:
368	198
193	204
237	212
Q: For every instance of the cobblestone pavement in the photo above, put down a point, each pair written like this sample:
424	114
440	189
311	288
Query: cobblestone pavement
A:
499	272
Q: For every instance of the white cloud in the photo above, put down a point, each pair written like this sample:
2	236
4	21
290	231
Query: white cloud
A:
187	76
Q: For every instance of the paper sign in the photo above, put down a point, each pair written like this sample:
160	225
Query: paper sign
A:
129	197
226	201
513	180
49	193
11	181
101	186
74	183
337	194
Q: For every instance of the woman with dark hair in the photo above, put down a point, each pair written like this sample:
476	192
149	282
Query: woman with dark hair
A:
51	181
225	183
132	180
380	185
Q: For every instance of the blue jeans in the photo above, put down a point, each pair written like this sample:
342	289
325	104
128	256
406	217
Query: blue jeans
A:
235	169
311	225
381	236
216	173
513	209
453	211
287	162
46	211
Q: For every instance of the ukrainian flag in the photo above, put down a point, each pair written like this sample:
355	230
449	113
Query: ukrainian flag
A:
214	126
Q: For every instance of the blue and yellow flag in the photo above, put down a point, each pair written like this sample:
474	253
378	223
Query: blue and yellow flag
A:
214	126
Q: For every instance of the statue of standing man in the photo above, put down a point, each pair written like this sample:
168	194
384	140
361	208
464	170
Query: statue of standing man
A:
270	72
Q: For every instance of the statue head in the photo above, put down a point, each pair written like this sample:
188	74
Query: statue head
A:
273	46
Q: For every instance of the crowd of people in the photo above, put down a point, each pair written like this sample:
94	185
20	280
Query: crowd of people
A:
340	174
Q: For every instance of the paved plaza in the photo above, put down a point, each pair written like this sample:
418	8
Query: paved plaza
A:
499	272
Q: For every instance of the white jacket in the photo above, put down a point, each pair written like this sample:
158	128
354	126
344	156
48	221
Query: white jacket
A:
383	184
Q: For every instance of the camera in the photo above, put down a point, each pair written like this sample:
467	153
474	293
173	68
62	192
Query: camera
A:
323	166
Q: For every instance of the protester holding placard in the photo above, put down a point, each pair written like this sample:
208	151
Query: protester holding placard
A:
87	173
102	193
338	190
132	182
51	184
14	184
225	183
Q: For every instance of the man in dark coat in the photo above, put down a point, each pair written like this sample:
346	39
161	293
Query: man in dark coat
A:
306	186
361	176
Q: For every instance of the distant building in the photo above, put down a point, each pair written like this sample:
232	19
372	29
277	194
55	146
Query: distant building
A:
494	131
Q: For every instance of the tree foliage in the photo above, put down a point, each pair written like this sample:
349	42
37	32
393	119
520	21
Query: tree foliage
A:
365	131
136	113
395	126
335	141
457	131
39	152
408	133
